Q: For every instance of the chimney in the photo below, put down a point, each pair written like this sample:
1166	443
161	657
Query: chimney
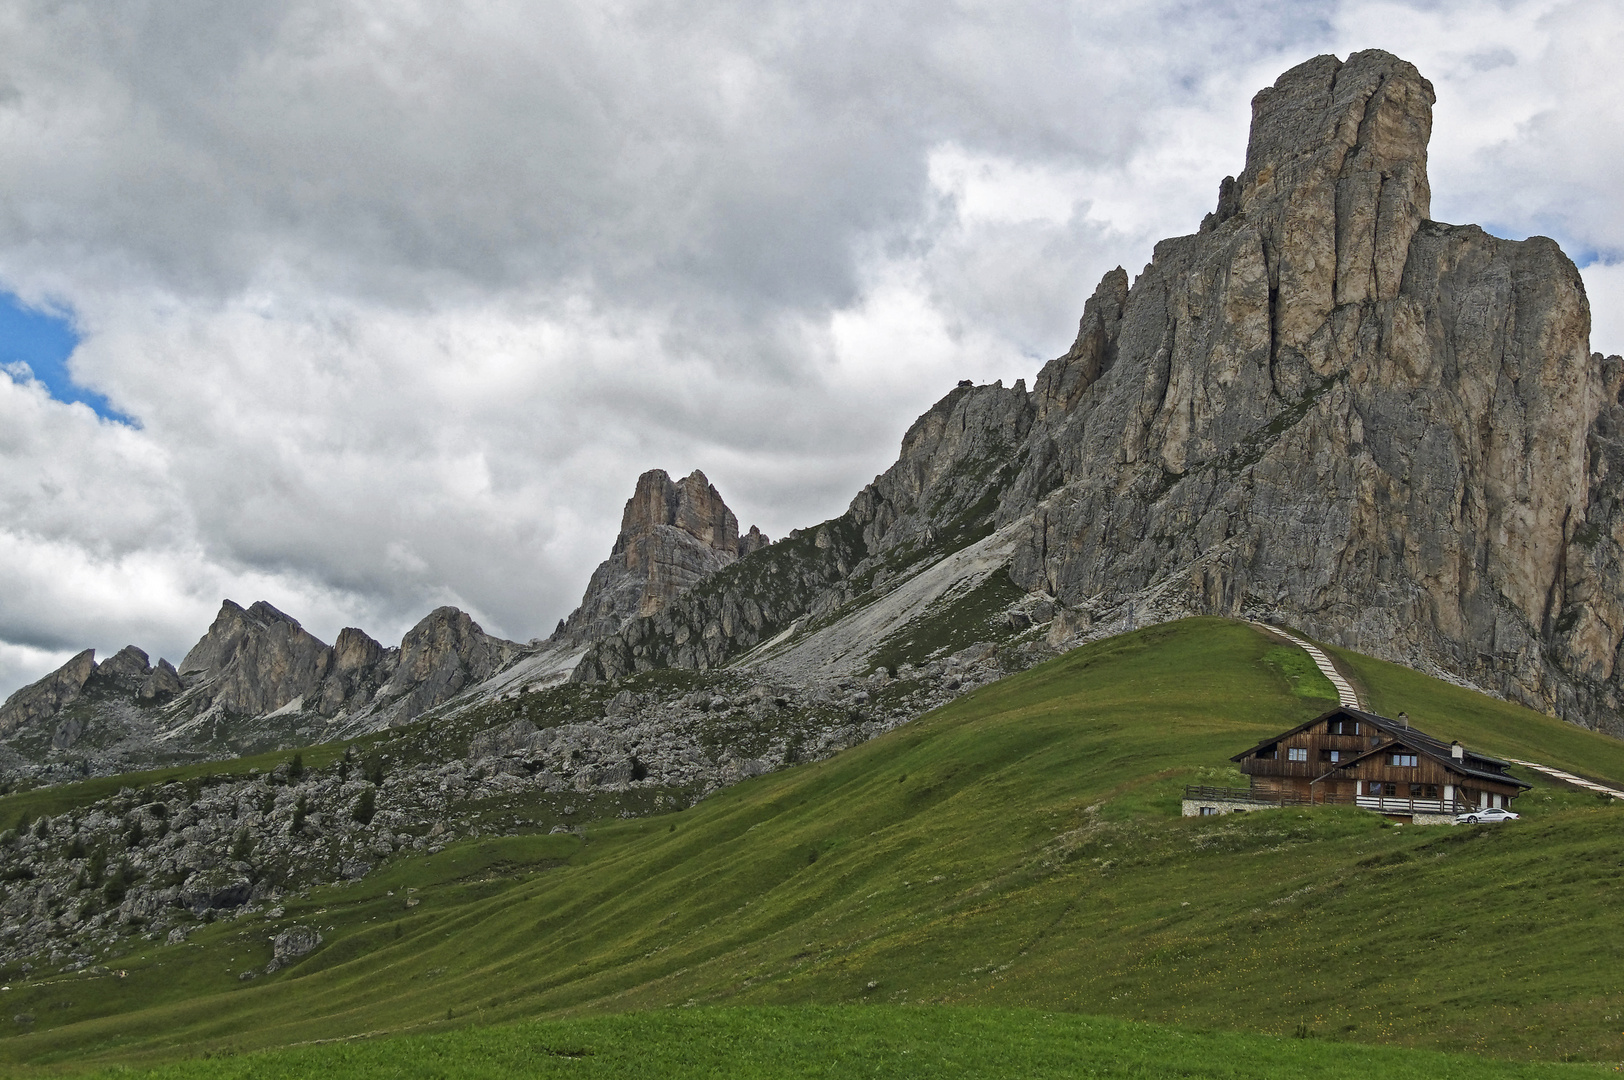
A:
1457	751
1404	719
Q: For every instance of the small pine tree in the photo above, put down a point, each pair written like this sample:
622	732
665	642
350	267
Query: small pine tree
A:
296	767
375	772
137	834
118	885
299	809
366	806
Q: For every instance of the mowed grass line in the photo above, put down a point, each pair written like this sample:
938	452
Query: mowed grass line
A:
1020	847
866	1041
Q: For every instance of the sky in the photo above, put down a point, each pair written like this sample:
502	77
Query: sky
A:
362	307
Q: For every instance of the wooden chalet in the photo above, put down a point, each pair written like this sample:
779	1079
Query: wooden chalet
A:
1351	756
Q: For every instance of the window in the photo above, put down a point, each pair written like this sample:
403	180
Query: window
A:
1297	753
1333	756
1268	753
1389	789
1342	727
1415	791
1404	760
1432	791
1209	811
1375	787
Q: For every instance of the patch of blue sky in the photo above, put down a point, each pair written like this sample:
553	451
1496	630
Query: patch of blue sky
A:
42	341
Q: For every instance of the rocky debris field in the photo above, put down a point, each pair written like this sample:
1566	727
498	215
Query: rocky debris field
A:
154	862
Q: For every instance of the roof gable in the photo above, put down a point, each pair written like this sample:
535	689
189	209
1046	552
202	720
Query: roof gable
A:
1426	747
1397	734
1380	722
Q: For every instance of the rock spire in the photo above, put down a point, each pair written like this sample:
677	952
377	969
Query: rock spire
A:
672	535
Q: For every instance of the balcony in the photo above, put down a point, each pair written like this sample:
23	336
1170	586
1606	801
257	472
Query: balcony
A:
1394	804
1383	804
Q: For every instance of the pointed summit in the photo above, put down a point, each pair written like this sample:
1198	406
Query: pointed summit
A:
672	534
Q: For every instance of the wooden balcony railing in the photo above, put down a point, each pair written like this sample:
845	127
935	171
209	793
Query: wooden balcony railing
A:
1387	804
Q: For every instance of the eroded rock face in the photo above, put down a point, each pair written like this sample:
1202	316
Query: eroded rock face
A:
440	656
942	494
1322	406
672	535
161	683
127	669
257	660
1327	407
44	699
944	486
359	667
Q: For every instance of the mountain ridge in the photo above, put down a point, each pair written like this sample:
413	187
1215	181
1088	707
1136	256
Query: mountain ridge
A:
1322	407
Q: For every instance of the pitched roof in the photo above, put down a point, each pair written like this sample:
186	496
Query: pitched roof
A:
1413	738
1427	746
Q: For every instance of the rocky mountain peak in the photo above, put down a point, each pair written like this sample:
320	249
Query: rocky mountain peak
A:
672	534
232	627
1320	407
1368	118
43	699
691	504
257	660
446	646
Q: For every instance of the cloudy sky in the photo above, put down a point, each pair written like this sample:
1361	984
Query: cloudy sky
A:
365	306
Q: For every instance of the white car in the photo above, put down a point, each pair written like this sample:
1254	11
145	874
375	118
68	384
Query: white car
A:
1493	813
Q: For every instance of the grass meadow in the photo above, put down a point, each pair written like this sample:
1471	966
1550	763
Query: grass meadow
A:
1017	856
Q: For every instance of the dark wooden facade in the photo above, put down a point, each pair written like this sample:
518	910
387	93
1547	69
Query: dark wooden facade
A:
1351	756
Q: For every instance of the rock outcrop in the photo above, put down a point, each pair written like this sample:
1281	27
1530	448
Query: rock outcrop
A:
1322	406
258	660
44	699
1326	407
438	658
255	681
941	496
357	669
672	535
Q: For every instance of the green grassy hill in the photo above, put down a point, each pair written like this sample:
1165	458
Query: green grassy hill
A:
1019	848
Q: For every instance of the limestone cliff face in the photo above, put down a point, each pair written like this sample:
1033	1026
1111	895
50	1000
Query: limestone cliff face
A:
942	494
955	460
439	657
1322	406
44	699
355	672
1325	406
256	660
672	535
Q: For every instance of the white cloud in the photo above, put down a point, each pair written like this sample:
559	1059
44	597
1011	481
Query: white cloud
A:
404	296
1604	285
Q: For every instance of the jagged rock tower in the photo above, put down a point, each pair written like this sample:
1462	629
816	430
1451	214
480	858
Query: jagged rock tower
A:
1322	406
1327	406
672	534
